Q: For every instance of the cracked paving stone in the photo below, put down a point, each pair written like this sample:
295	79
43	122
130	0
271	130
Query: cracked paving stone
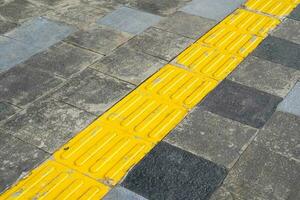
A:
48	124
21	84
93	91
6	26
121	193
265	76
62	59
129	20
99	39
262	174
159	43
279	51
168	172
16	159
217	139
281	135
187	25
19	11
289	29
241	103
291	103
7	110
212	9
129	65
295	14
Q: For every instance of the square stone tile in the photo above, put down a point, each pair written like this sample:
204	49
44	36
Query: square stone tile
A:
48	124
159	43
129	20
261	174
35	31
22	84
62	59
93	91
281	135
211	136
16	159
291	103
289	29
168	172
160	7
279	51
129	65
265	76
100	39
7	110
187	25
241	103
212	9
19	11
6	26
295	14
121	193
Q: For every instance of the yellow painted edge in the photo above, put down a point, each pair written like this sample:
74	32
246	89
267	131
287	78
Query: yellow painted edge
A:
30	177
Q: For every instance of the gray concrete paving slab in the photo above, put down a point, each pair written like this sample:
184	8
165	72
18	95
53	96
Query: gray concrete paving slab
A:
291	103
7	110
6	26
289	29
129	20
121	193
295	14
266	76
93	91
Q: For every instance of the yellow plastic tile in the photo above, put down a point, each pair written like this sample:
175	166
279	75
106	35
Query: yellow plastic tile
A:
52	180
206	60
256	24
230	40
179	86
277	8
103	152
144	115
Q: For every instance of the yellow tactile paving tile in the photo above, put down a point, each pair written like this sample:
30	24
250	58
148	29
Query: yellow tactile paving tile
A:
277	8
231	40
253	23
52	180
202	59
144	115
179	86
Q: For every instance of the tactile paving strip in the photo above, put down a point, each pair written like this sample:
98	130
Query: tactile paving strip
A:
277	8
52	180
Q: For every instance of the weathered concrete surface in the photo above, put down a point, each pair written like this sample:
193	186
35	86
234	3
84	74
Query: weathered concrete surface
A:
291	103
7	110
289	29
121	193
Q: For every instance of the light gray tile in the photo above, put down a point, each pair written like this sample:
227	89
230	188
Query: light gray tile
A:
211	136
289	29
291	103
129	20
212	9
121	193
265	76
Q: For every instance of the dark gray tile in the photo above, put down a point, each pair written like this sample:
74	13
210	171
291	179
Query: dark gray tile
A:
7	110
266	76
291	103
22	84
16	159
159	43
93	91
62	59
295	14
211	136
279	51
212	9
120	193
261	174
48	124
185	24
168	172
241	103
289	29
129	20
129	65
6	26
281	135
99	39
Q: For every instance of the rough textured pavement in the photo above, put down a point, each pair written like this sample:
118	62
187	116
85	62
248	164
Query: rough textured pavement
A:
63	63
